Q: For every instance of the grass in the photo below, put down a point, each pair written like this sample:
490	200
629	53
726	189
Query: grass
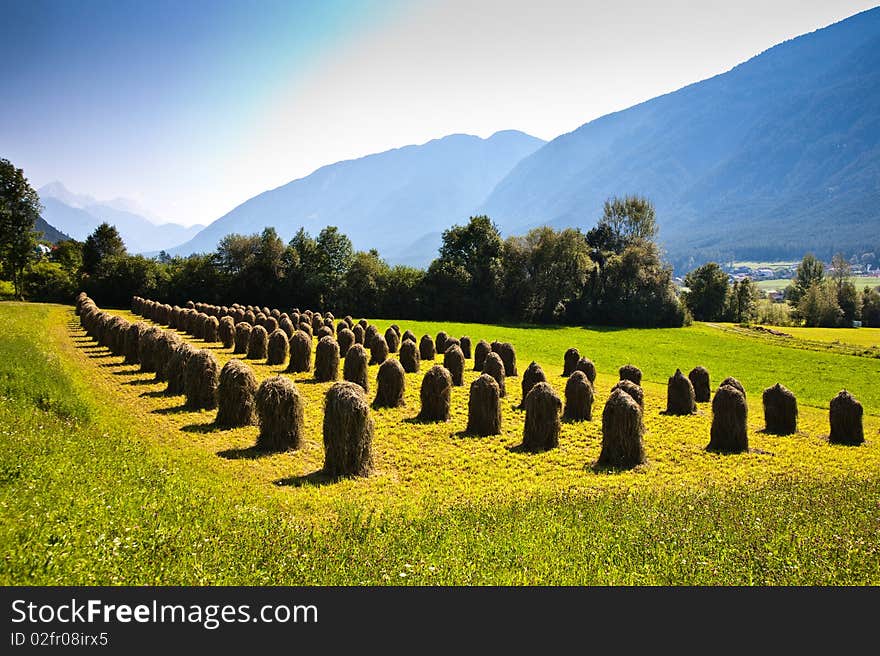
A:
778	284
105	480
867	337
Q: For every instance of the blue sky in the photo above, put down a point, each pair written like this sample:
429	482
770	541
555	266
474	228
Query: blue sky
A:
191	107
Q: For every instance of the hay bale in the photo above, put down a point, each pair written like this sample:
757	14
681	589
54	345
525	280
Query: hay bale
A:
280	414
323	332
300	353
345	337
543	411
508	357
236	404
392	338
453	361
147	348
326	360
363	323
378	350
780	410
578	398
306	327
390	385
175	370
270	324
276	313
635	391
484	407
409	336
699	377
426	348
569	361
436	394
734	383
622	432
531	377
250	317
342	325
440	342
359	334
680	398
452	341
200	380
226	331
348	431
631	373
481	350
845	415
729	433
165	345
370	334
242	337
287	326
586	365
466	346
317	322
494	366
132	338
276	351
395	328
409	356
347	319
212	329
258	344
354	370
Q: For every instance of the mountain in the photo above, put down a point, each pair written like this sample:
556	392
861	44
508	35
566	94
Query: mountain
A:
776	157
49	232
398	201
78	215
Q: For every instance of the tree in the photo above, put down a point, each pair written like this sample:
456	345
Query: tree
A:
809	272
101	245
19	209
847	296
364	287
334	254
630	219
742	301
708	289
818	306
871	307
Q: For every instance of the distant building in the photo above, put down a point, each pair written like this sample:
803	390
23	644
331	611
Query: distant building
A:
43	250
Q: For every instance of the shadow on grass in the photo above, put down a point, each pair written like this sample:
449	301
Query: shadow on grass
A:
145	381
418	420
157	394
521	448
204	428
316	478
176	410
247	453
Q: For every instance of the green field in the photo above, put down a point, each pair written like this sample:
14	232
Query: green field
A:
868	337
780	284
107	481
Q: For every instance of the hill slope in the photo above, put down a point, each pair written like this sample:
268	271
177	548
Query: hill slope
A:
388	201
777	156
50	233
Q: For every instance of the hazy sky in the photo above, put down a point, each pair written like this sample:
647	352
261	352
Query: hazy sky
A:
192	107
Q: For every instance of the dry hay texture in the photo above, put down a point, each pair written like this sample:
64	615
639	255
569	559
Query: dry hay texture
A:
345	339
166	343
453	361
270	324
390	385
450	342
287	326
280	414
531	377
354	370
409	336
276	351
409	356
586	365
317	322
699	377
466	346
132	337
542	426
147	345
622	432
508	357
300	352
236	404
226	331
845	416
211	329
435	394
359	334
306	327
631	373
440	342
481	350
378	350
324	331
680	398
730	381
242	337
258	344
484	407
176	369
348	432
363	323
427	348
392	339
370	333
780	410
569	361
729	432
200	380
635	391
326	360
493	366
395	328
578	398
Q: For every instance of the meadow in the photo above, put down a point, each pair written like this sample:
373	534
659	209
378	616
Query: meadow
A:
104	479
779	284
